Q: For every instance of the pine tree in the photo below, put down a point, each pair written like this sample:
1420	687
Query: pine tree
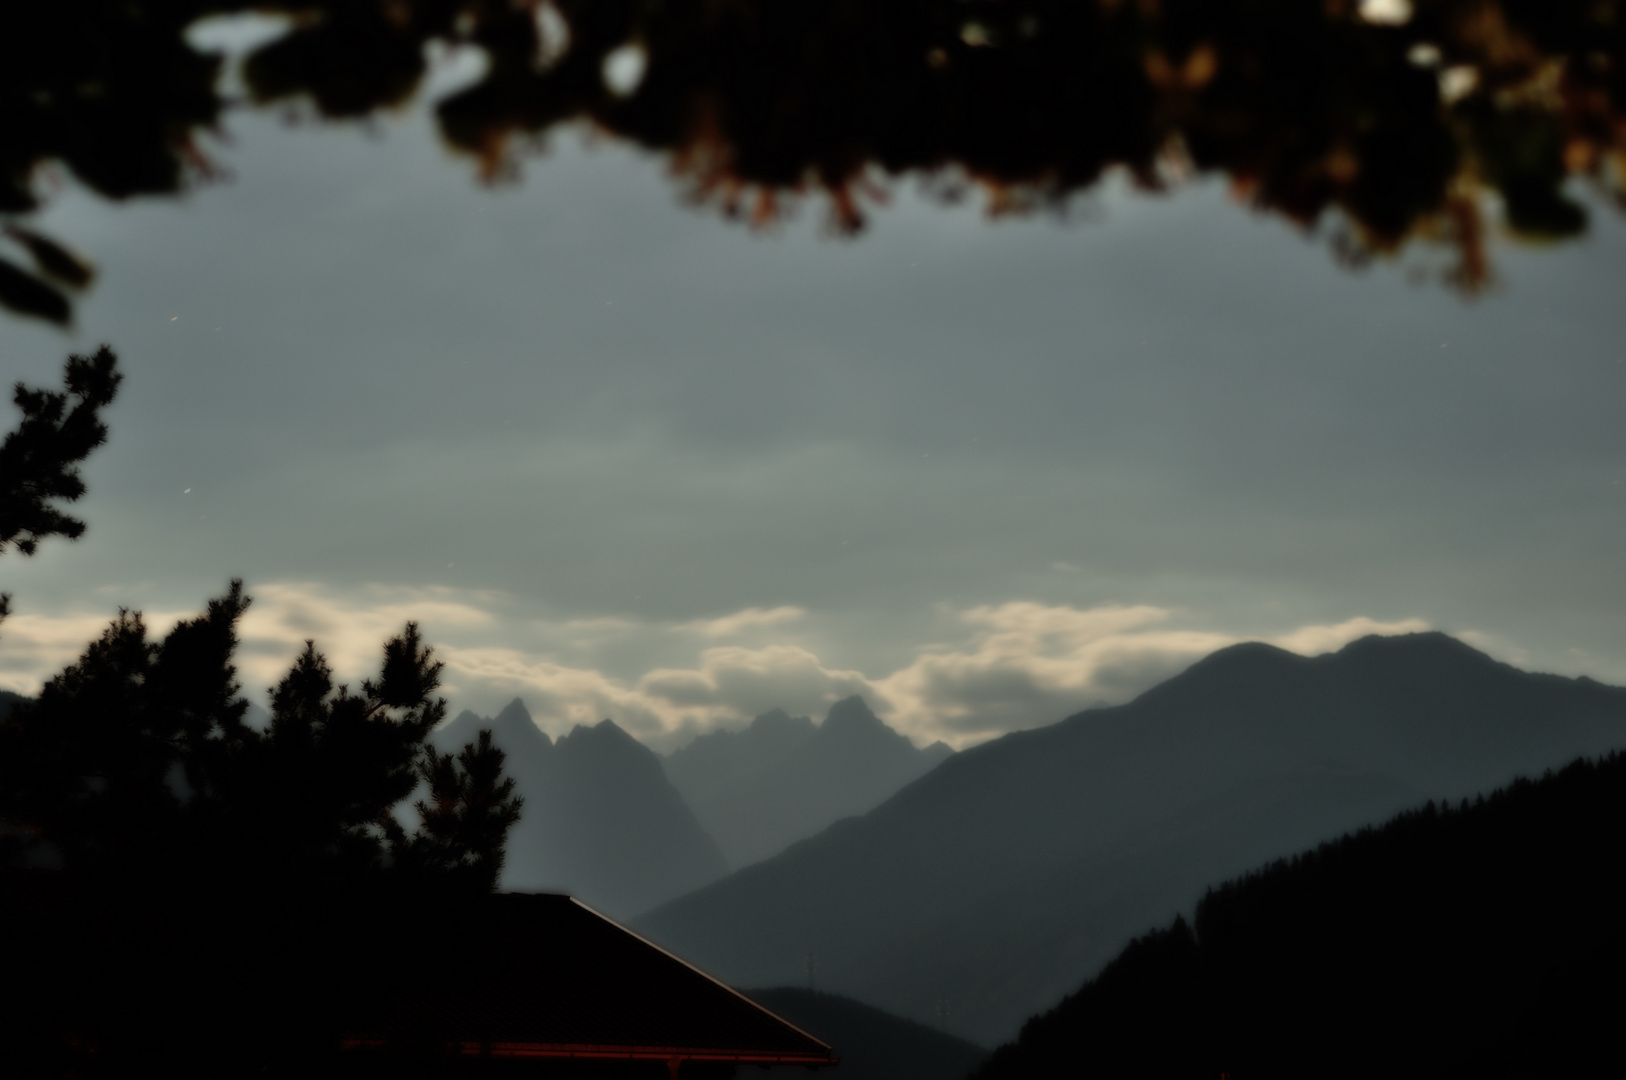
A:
224	897
470	808
39	460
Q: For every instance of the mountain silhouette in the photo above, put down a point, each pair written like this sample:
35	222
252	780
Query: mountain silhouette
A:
784	778
1479	940
995	884
600	820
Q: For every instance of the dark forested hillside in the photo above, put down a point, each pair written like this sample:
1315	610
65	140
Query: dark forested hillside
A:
995	884
1481	939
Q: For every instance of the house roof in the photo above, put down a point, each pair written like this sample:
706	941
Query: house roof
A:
546	976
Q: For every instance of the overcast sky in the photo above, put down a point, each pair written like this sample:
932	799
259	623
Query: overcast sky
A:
625	459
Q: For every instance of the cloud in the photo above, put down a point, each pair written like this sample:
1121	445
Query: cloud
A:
751	681
730	625
727	686
1029	664
35	647
348	626
1003	667
1314	640
603	622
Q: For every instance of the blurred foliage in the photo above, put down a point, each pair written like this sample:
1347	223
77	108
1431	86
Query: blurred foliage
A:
1395	119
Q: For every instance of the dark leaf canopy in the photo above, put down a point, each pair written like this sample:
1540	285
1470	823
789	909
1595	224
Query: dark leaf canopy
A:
1398	120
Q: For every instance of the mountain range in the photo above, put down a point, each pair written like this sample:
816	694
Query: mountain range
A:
784	778
606	819
600	819
999	881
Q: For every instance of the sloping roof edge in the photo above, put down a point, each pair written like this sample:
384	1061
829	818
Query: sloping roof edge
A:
582	1021
710	978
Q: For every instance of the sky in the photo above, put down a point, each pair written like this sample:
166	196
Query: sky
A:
626	459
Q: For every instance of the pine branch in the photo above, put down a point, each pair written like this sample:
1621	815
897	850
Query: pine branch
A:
39	460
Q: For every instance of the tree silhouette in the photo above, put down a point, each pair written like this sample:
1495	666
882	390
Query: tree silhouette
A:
208	897
470	808
39	459
1398	120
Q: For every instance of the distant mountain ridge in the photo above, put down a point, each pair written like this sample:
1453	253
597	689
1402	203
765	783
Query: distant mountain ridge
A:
784	778
600	820
1003	878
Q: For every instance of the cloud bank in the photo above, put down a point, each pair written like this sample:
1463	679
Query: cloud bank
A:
1005	667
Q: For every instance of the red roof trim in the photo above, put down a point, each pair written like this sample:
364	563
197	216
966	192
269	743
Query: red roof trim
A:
625	1053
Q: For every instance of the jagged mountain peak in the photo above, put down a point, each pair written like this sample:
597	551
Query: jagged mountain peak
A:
778	720
605	739
514	710
852	714
600	820
782	778
852	728
514	729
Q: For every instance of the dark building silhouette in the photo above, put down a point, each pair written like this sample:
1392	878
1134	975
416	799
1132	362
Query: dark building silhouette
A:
541	984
